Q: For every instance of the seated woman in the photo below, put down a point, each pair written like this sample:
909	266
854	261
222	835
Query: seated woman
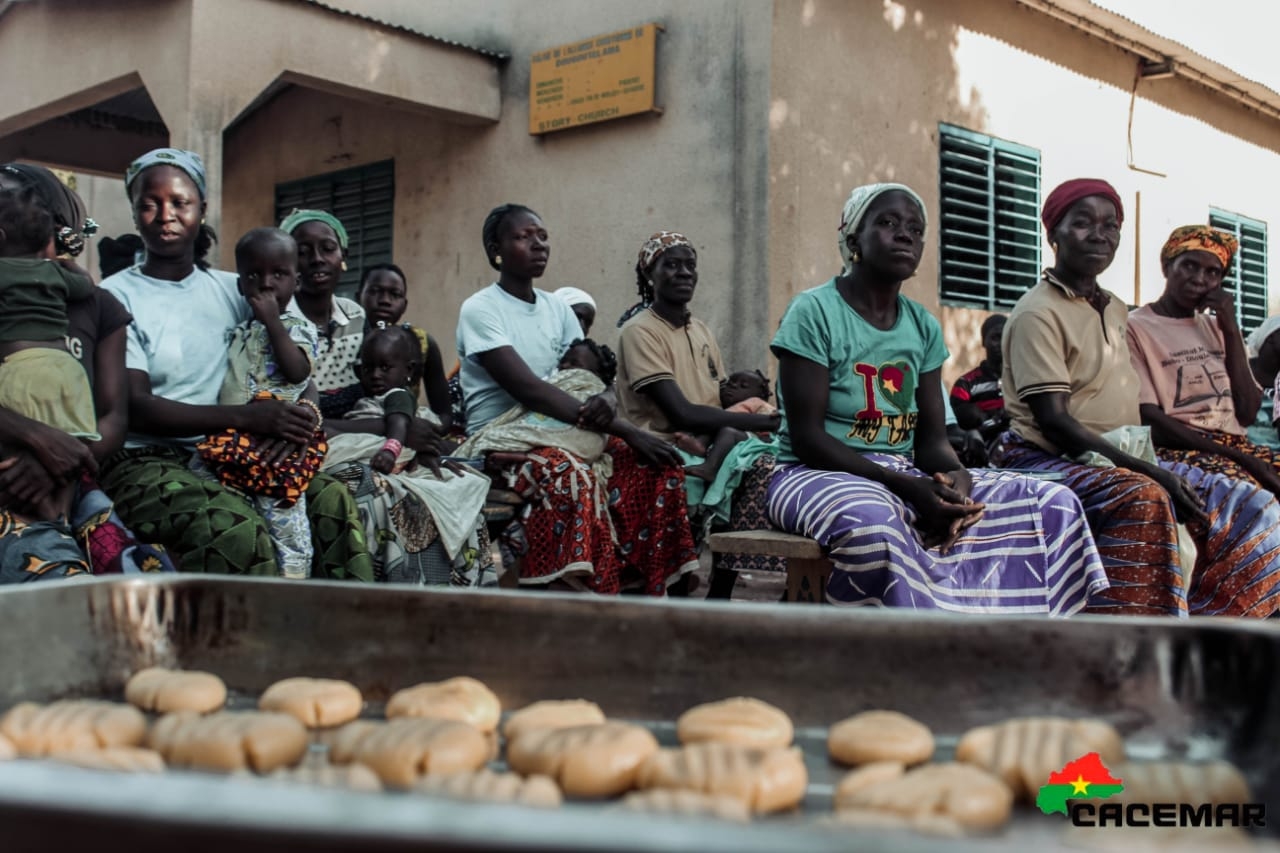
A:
1073	398
670	371
864	462
401	531
631	531
1197	391
176	354
1263	346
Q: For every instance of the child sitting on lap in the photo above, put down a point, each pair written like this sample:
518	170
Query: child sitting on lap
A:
746	391
270	357
39	377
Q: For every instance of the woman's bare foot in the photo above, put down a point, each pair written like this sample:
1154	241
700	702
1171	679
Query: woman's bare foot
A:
689	444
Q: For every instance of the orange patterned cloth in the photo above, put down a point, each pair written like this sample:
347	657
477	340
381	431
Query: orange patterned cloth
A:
1200	238
236	458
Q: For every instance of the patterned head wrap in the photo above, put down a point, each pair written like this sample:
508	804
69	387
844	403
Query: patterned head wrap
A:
1200	238
299	216
657	245
1067	194
575	296
855	209
71	225
187	161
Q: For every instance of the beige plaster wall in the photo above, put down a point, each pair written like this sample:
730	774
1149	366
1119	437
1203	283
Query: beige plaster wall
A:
879	75
700	167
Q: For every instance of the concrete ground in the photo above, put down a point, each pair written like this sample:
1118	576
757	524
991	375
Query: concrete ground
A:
751	586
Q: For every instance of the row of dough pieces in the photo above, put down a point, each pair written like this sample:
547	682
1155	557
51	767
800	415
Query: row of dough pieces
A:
736	757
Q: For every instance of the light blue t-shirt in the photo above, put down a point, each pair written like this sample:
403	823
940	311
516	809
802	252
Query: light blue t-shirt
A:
179	335
539	332
871	402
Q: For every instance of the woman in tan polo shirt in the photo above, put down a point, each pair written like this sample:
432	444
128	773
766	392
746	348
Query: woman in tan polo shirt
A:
1072	395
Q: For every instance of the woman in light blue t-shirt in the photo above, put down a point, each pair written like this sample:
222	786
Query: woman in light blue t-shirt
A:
865	466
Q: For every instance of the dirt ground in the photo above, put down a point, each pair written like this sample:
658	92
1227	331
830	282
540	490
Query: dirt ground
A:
754	586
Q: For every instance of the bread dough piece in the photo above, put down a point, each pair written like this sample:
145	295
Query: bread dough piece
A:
7	750
674	801
1025	750
969	795
925	824
127	759
227	741
875	773
764	780
552	714
1180	782
741	720
586	761
880	736
315	702
402	750
164	690
72	724
488	786
355	777
463	699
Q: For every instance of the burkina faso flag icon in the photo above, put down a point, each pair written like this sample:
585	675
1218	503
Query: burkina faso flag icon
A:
1086	778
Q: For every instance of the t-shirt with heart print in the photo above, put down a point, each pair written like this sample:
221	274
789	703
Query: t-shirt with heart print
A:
874	373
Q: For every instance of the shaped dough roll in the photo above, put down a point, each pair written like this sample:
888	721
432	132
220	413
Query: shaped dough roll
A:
765	780
1024	751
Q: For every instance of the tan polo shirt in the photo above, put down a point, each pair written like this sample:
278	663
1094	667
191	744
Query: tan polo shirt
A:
652	350
1056	341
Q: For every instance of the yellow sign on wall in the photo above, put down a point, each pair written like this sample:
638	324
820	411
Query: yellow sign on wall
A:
596	79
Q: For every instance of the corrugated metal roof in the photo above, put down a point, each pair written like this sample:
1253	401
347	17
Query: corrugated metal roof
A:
1137	39
337	10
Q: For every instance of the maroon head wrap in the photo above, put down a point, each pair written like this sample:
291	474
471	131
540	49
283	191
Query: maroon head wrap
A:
1061	199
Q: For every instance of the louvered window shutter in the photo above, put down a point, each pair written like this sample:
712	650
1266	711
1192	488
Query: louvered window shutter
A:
989	234
363	200
1247	278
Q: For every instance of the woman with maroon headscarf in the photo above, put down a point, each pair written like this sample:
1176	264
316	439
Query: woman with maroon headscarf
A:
1072	395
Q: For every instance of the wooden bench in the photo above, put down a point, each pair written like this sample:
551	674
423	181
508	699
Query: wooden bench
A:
807	566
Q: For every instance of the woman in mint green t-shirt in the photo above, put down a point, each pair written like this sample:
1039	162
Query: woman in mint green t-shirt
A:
865	466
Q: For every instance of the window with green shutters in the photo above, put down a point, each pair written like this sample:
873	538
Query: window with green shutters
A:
363	200
1247	278
989	229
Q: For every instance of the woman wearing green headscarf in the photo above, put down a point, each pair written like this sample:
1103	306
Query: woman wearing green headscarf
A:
176	354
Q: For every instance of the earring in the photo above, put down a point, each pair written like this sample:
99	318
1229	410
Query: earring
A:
856	257
497	259
651	282
344	266
1054	246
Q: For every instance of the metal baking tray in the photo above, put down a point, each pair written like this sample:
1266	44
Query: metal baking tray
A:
1194	689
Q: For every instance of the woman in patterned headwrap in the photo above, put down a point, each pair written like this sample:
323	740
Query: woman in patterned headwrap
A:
864	464
1072	396
1198	394
620	523
177	355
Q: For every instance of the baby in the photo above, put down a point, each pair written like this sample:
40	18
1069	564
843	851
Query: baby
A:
39	377
390	359
270	356
585	369
745	391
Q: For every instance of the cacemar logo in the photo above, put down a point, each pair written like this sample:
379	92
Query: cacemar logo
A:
1070	790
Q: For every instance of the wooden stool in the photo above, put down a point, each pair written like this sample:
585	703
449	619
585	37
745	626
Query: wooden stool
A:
807	566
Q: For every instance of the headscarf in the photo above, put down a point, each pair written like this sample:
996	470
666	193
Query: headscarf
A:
1067	194
71	225
1259	336
653	249
299	216
187	161
575	296
1200	238
855	209
657	245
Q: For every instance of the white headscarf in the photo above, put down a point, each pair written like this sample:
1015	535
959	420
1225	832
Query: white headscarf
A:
575	296
1259	335
856	208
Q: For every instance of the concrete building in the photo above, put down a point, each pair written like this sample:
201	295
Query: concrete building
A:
771	111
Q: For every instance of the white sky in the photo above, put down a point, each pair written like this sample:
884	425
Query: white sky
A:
1239	34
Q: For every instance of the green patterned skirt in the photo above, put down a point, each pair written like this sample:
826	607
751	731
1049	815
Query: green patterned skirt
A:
209	528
